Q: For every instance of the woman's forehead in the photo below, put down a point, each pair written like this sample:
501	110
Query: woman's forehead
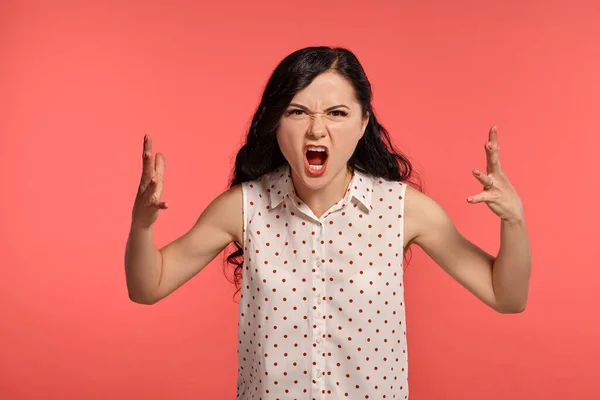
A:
326	90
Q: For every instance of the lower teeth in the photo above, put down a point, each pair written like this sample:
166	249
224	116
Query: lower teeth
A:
316	167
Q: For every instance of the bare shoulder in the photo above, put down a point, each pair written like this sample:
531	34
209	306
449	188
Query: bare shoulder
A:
423	217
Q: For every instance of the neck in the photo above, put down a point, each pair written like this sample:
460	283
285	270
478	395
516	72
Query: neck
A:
322	199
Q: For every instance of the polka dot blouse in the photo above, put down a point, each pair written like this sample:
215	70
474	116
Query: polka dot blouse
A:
321	312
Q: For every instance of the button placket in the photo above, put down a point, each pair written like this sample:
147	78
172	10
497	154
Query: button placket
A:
322	305
318	284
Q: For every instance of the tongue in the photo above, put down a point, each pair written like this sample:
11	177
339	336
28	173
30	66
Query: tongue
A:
316	157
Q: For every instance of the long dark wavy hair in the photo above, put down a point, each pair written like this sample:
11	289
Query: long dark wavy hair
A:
374	154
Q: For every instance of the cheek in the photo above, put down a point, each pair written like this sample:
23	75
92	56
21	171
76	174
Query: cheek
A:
289	141
346	138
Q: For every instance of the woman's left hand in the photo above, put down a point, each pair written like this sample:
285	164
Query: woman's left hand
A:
498	193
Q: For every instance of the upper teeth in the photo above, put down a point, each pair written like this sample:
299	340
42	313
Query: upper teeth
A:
315	148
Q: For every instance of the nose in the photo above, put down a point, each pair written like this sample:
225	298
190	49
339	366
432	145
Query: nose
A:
318	128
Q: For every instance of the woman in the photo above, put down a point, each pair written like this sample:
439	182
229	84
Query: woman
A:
321	212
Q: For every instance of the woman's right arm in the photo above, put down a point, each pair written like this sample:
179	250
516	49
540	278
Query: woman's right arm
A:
153	274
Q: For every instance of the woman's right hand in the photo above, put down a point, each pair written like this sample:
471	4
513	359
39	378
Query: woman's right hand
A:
148	200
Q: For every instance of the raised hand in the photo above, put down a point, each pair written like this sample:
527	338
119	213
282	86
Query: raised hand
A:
148	200
498	193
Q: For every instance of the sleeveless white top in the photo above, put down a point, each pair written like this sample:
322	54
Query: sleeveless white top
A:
321	313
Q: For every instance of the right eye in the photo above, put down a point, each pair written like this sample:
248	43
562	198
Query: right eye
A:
295	111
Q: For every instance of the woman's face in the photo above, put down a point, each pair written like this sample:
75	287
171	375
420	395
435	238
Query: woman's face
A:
319	130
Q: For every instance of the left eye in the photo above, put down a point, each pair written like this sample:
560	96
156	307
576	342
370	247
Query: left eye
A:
338	113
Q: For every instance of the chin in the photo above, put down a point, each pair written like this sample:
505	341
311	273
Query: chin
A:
316	180
313	182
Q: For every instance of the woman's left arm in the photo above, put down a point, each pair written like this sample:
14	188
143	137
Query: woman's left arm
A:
502	282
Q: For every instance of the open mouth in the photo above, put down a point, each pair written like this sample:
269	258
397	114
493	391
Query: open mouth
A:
316	159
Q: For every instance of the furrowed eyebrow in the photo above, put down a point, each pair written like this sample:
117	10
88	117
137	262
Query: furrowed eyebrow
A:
327	110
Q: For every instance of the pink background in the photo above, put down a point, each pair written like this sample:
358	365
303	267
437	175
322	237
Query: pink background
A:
81	82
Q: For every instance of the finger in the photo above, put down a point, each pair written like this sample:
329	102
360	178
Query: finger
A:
149	194
493	135
159	165
492	151
159	173
484	179
151	197
479	198
148	163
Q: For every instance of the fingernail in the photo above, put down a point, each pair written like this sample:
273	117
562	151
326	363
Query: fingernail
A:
489	145
477	172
